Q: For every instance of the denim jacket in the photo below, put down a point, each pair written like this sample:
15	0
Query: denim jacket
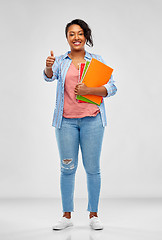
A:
60	68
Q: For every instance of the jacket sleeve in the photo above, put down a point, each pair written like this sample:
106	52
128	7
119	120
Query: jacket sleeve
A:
55	69
110	86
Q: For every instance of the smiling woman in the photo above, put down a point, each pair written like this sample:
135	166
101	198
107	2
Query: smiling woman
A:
76	36
84	30
76	39
77	123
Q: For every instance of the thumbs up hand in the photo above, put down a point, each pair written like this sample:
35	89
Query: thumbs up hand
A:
50	60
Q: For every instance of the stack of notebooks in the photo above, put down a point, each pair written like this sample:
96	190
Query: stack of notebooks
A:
93	74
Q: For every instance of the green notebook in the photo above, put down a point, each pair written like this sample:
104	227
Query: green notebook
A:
79	97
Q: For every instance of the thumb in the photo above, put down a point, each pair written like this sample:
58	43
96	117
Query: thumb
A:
52	55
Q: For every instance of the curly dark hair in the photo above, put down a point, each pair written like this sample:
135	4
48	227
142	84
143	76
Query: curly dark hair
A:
86	29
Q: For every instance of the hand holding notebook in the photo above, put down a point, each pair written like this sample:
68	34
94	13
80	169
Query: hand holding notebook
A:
95	74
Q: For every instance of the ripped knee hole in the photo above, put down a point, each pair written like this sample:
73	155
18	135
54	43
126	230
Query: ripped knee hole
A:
67	161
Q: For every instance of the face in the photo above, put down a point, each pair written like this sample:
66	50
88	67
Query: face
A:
75	37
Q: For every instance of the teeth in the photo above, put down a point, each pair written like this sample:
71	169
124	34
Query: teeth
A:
76	43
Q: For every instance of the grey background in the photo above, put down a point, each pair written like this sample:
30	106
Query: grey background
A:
127	34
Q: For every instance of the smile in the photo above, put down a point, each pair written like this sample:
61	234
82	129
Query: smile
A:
76	43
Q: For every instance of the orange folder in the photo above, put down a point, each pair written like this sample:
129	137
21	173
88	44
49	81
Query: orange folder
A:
97	74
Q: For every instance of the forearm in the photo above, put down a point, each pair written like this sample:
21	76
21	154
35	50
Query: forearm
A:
49	72
99	91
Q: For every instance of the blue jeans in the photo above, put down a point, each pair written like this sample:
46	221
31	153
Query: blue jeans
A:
88	132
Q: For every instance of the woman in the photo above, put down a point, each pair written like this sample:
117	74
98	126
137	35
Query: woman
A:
77	122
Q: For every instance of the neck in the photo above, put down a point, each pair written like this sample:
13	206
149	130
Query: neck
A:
77	54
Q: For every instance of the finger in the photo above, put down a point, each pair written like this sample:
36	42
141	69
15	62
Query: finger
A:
49	61
49	65
51	58
52	55
80	84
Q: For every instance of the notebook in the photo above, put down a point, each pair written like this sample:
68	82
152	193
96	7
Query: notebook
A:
81	70
95	75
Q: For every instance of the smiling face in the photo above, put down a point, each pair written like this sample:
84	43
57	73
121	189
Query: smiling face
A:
75	37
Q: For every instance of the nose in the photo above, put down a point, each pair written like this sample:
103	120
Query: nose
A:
76	37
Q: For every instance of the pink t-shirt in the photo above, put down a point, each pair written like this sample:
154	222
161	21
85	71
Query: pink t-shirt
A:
73	108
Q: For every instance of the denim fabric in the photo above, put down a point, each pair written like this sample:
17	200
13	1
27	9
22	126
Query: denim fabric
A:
88	133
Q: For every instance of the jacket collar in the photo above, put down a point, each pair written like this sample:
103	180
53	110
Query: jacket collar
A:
87	55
